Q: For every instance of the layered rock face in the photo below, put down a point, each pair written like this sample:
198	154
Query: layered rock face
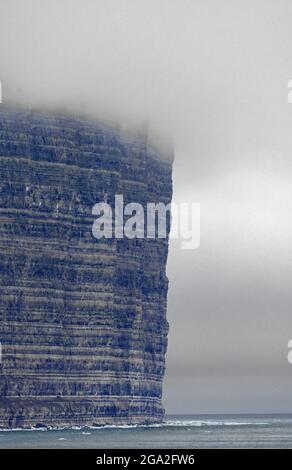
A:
83	321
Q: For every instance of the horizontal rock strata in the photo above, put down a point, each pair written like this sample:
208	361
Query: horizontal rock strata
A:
83	321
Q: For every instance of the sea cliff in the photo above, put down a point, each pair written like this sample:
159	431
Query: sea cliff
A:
83	321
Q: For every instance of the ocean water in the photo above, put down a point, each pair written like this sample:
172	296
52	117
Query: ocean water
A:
187	431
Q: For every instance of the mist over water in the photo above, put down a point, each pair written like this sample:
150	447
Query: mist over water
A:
210	78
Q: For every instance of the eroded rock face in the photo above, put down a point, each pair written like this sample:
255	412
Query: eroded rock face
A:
83	321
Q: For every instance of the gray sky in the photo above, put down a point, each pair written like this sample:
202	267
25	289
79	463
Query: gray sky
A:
212	77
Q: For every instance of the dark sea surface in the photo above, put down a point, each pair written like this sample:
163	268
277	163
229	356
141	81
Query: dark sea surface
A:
187	431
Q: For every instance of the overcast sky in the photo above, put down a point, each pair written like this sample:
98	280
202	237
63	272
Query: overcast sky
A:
212	77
